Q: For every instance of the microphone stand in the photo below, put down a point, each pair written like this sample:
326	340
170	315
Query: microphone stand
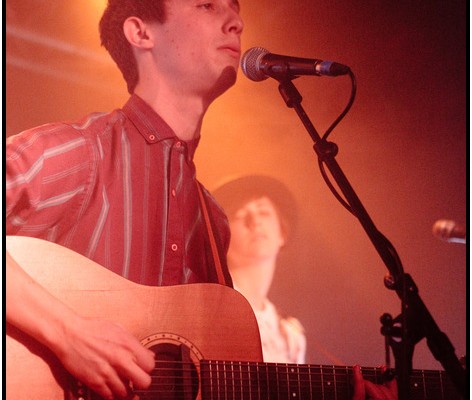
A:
415	320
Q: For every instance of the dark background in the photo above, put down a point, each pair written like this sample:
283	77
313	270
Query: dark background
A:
403	146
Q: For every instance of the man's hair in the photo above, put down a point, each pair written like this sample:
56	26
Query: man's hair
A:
236	192
113	38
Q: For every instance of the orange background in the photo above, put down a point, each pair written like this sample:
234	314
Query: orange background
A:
402	146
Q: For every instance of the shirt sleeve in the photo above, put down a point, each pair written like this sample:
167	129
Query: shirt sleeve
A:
47	169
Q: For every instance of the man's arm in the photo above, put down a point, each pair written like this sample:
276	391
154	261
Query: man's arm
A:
101	354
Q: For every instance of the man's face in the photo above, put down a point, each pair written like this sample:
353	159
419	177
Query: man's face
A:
198	47
255	231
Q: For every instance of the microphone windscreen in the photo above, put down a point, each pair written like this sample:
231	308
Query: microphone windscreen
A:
250	62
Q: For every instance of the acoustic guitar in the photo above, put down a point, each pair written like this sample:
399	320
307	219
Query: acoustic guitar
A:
205	337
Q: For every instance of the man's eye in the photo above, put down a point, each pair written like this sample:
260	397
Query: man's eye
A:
239	216
206	6
265	211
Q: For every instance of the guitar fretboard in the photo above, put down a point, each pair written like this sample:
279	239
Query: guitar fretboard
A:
247	380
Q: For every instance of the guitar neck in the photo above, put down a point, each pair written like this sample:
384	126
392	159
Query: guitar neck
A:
249	380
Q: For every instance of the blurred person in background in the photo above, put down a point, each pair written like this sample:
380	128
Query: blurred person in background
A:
262	214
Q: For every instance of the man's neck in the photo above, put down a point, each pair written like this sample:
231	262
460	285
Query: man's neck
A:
183	114
253	281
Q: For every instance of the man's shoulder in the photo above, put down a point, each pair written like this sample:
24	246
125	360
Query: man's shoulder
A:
79	138
95	122
58	130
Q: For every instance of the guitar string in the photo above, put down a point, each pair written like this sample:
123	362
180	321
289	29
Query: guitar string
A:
328	376
282	368
216	382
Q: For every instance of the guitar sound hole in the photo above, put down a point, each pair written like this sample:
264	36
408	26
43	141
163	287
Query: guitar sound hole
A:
175	376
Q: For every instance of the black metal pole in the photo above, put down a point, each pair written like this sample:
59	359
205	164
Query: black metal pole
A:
413	309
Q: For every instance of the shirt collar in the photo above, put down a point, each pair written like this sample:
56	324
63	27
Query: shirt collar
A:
151	126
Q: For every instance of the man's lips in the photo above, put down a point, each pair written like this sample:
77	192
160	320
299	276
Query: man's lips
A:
234	50
258	236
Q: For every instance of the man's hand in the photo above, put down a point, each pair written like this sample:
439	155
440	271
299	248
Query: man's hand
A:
100	354
363	387
105	357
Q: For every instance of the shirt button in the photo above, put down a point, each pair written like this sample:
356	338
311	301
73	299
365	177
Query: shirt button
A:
152	137
178	144
174	247
173	192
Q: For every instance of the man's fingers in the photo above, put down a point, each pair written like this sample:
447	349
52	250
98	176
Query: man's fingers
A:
386	391
359	387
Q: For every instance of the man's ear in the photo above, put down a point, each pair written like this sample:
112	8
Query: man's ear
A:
138	33
283	236
283	240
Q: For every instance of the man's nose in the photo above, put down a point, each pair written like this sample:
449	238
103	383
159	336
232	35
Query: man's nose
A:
250	220
234	22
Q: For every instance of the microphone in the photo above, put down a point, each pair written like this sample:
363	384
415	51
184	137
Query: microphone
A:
449	231
258	64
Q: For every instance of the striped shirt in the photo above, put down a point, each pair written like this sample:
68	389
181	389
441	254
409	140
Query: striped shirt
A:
119	188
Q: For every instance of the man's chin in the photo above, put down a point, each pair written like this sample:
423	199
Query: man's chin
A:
226	79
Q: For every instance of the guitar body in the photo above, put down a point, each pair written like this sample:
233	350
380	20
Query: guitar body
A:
213	321
205	337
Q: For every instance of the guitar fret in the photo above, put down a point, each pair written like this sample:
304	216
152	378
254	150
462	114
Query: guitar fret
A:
268	380
284	381
225	380
310	380
264	385
238	387
423	380
258	382
334	384
294	393
217	370
327	382
298	382
322	383
252	381
441	384
286	378
245	381
221	382
348	381
272	379
231	367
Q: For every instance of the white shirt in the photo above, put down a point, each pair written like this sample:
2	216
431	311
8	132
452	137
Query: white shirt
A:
283	339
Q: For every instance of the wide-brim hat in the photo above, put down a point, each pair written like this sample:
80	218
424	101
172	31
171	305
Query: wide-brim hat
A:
234	192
